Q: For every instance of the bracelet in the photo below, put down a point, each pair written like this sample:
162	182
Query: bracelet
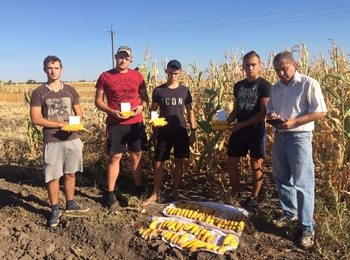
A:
193	129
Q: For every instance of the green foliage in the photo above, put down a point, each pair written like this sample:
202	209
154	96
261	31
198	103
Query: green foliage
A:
34	134
31	81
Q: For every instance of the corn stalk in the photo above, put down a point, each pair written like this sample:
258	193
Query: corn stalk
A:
34	134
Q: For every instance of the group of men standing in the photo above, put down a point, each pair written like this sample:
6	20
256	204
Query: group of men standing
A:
296	99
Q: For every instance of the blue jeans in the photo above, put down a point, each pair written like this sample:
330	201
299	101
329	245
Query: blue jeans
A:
293	170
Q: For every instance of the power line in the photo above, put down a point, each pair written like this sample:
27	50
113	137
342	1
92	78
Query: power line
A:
239	24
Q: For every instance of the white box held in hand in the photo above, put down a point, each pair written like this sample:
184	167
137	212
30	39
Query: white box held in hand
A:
125	107
154	115
221	115
74	120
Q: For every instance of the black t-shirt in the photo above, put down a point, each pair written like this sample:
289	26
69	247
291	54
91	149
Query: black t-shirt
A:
171	104
249	96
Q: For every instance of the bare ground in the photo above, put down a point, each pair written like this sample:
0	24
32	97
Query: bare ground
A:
102	234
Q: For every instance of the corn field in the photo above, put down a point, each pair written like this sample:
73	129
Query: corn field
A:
212	90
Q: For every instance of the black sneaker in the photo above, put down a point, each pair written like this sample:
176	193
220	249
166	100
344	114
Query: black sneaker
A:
76	208
251	202
112	202
54	218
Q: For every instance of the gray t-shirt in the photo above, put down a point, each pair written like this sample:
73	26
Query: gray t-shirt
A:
55	106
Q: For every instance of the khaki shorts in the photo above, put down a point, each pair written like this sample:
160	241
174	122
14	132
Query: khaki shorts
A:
62	158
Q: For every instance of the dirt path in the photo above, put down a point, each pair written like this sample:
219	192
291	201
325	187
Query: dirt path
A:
101	234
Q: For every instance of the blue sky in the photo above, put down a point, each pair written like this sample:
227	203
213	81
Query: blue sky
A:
193	30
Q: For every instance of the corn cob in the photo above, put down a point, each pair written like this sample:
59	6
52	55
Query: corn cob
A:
219	125
159	122
72	128
153	224
127	113
227	239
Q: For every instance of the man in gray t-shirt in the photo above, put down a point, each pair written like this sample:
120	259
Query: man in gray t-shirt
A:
51	105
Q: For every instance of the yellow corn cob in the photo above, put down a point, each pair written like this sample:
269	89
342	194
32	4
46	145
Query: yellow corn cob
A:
177	240
153	232
194	214
210	239
207	218
211	247
233	241
168	210
189	226
212	220
182	238
198	244
240	226
200	217
196	232
181	228
205	236
72	128
167	235
177	211
141	231
195	228
165	224
147	233
227	239
178	226
180	212
153	224
202	232
188	243
127	113
219	125
189	213
159	122
174	238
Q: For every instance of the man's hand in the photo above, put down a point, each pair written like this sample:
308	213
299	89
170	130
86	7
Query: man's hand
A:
192	137
118	114
137	110
234	127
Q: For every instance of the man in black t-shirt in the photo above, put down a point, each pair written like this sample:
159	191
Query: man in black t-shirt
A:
247	123
173	99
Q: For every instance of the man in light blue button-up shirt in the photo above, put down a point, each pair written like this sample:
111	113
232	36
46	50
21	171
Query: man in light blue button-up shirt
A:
298	100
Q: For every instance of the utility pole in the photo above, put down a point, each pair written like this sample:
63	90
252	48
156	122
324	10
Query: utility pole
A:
112	39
